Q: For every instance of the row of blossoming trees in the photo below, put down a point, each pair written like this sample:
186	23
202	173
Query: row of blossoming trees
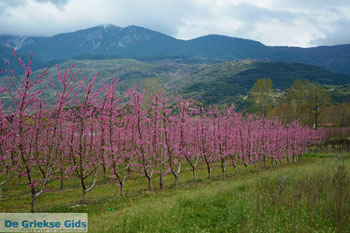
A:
91	134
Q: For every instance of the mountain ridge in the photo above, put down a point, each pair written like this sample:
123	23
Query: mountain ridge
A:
106	26
134	42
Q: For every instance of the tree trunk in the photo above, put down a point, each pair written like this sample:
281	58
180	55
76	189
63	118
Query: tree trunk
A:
3	183
61	180
176	180
208	167
82	198
161	180
194	175
150	185
33	205
223	168
33	201
209	171
121	189
86	190
129	173
161	176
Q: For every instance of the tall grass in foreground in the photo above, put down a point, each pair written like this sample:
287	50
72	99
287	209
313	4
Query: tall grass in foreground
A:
311	198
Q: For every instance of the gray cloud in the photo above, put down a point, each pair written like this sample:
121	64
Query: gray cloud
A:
58	3
250	13
253	15
160	15
288	22
310	5
4	5
339	34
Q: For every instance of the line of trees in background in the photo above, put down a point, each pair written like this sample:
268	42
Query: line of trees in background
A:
99	135
305	101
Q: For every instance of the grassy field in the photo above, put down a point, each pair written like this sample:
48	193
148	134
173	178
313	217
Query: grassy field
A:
309	196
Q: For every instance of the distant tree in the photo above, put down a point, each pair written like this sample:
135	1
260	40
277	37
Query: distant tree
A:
310	97
285	108
152	86
262	96
338	114
310	92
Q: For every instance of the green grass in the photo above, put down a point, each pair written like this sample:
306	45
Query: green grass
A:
310	196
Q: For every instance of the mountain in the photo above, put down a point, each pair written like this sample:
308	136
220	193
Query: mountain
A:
101	40
142	43
336	58
17	42
224	47
139	42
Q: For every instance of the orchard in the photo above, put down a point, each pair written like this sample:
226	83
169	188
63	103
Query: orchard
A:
90	133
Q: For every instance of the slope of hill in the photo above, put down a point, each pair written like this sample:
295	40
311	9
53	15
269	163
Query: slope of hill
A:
221	83
17	42
226	82
335	58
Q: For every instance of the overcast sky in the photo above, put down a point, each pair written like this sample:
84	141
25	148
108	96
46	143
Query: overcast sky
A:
273	22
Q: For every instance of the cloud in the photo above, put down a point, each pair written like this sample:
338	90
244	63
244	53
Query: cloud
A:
4	5
338	34
48	17
273	22
58	3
